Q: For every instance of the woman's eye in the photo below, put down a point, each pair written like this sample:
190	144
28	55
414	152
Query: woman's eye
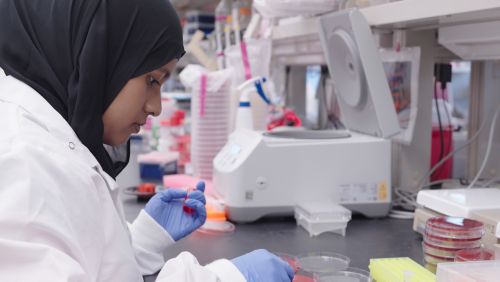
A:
152	81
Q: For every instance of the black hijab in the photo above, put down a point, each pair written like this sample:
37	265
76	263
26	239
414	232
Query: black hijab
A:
78	54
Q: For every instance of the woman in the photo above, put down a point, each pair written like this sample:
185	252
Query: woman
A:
81	74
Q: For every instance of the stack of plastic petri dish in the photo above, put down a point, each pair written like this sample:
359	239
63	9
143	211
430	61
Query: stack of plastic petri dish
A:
445	236
210	113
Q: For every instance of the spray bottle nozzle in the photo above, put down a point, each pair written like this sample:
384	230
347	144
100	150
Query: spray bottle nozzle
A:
260	91
257	83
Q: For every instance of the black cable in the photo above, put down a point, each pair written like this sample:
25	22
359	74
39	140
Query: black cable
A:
442	73
288	69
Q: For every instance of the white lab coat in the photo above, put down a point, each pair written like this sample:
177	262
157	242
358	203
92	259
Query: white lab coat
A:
60	219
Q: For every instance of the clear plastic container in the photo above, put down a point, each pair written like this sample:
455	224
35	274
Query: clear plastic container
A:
472	271
322	262
320	217
350	274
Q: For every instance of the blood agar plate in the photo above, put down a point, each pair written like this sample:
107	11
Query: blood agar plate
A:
436	259
440	251
323	262
474	255
452	243
454	228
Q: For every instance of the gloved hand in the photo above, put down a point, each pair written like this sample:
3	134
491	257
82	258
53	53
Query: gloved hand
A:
166	208
261	265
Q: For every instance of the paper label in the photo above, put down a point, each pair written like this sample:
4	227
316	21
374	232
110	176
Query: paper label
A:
364	192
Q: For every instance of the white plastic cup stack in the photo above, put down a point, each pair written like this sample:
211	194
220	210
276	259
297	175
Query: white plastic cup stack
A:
210	121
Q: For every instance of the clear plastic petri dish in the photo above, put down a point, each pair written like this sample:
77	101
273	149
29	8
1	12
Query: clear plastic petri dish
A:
350	274
323	262
454	228
436	259
216	227
439	251
451	243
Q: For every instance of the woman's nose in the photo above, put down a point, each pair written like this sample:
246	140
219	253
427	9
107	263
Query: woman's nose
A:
153	103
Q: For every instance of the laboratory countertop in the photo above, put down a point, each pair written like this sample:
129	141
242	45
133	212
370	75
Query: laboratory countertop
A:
365	239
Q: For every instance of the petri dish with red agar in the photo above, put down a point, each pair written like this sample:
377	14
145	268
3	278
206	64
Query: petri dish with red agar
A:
453	232
440	251
444	237
436	259
474	255
455	228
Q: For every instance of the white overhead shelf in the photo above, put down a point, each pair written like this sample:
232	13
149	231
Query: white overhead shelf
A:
414	13
406	14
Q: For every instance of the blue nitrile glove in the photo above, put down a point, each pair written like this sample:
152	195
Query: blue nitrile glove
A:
166	207
261	265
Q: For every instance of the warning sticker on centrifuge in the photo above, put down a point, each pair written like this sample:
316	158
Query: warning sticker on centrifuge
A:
363	192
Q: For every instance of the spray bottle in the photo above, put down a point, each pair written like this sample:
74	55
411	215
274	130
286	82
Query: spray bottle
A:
252	100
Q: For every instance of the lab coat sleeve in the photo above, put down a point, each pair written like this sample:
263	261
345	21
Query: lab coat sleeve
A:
186	268
149	241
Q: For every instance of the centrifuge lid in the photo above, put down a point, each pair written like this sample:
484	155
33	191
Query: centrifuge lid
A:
356	68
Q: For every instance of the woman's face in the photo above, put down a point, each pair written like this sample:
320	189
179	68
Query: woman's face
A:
140	97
